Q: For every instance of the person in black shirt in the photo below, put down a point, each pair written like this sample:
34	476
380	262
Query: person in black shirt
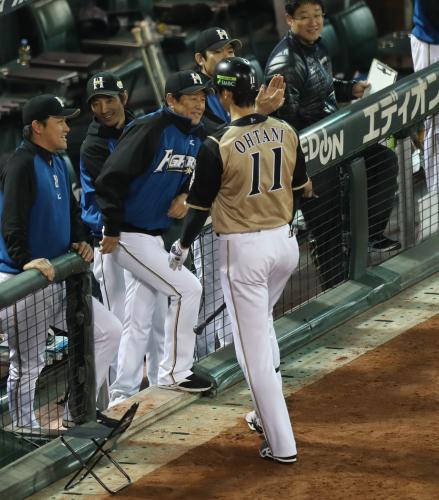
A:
311	94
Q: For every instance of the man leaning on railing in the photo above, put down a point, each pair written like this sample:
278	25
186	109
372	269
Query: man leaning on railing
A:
40	221
311	94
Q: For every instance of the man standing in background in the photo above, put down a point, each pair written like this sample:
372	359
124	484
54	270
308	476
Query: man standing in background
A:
107	98
425	51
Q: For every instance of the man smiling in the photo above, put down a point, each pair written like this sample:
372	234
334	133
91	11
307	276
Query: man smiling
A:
143	180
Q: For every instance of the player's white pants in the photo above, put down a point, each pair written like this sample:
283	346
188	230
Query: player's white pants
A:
206	250
145	257
107	333
26	324
117	286
254	270
146	310
423	55
112	283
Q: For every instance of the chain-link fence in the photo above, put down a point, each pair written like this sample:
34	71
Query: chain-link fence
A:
375	184
45	342
399	208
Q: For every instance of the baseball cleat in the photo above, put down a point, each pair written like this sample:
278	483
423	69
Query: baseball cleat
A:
193	383
265	452
253	422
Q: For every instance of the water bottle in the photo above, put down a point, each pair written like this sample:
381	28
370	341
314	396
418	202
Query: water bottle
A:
24	52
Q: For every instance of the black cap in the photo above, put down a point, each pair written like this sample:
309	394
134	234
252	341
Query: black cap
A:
186	82
42	106
215	38
104	83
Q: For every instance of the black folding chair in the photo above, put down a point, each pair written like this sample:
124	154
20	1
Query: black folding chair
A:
100	436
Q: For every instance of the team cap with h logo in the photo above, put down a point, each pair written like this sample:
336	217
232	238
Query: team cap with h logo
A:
44	106
215	38
104	83
186	82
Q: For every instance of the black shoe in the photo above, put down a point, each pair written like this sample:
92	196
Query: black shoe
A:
383	244
265	452
104	420
193	383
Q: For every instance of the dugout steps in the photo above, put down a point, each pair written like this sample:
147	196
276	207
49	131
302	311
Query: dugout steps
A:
43	466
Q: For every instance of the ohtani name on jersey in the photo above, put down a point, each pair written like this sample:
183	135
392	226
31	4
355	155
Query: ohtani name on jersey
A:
259	136
176	163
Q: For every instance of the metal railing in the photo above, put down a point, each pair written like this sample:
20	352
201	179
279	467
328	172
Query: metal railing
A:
373	201
334	233
46	356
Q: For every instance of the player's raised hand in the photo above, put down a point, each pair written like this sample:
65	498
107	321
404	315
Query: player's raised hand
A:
271	98
84	250
43	265
177	256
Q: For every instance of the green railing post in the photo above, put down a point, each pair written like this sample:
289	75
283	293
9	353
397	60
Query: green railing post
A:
358	218
406	205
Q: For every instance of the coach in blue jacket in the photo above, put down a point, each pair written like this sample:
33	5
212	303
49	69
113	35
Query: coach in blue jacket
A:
40	221
152	165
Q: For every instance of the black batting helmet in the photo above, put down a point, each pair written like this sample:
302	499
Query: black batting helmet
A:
235	74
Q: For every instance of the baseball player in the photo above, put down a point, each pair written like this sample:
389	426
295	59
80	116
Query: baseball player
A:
40	221
244	175
147	174
213	45
107	98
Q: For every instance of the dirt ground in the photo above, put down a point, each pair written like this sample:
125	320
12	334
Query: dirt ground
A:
369	430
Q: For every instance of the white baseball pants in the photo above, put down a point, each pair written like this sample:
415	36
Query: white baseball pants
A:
26	324
145	257
118	287
143	334
254	269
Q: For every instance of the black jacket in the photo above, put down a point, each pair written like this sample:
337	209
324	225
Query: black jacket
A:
38	212
311	91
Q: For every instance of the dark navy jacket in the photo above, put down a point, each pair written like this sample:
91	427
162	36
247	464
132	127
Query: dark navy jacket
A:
152	164
98	144
311	92
39	215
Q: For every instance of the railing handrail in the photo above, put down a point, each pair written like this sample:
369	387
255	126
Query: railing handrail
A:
30	281
371	119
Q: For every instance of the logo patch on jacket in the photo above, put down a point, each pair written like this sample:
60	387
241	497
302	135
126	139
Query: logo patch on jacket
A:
176	163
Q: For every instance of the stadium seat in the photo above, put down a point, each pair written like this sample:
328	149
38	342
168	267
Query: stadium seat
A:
332	44
56	29
334	6
358	36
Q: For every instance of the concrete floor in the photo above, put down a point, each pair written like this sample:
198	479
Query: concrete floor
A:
168	438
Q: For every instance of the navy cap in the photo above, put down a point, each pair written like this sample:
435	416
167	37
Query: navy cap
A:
186	82
215	38
42	106
104	83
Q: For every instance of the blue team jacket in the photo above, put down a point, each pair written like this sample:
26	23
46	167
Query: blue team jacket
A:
152	164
